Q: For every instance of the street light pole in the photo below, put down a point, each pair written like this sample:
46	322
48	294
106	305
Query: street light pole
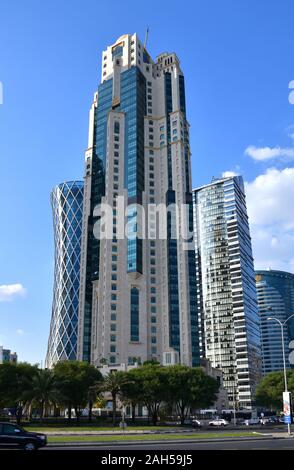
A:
282	324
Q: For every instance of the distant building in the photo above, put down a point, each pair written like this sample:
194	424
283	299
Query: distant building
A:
275	293
67	208
222	402
7	356
229	328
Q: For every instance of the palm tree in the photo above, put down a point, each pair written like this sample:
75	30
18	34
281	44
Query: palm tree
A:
43	389
113	382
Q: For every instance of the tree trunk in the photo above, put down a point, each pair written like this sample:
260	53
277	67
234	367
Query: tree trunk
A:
78	414
133	413
41	412
19	414
114	409
69	413
154	418
90	411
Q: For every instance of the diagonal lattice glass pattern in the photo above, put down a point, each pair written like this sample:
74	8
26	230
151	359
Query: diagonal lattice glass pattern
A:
67	208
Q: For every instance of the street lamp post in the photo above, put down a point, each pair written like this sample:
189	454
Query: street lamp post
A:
282	324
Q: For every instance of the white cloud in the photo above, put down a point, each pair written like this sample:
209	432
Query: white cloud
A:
271	216
228	174
269	153
20	332
10	291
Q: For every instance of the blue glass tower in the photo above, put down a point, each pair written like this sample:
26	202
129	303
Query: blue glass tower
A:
67	208
275	293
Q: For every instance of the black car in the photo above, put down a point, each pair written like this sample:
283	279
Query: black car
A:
13	436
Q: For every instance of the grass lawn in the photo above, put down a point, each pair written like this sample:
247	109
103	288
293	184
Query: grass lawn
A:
148	437
45	429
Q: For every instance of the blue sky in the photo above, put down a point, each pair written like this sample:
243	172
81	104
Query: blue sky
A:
237	56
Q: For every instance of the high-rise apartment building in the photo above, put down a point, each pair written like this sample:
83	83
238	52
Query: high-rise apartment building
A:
229	333
137	293
67	208
275	294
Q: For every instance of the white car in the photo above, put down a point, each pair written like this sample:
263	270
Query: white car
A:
218	422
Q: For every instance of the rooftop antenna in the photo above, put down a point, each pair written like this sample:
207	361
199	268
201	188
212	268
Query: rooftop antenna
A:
146	37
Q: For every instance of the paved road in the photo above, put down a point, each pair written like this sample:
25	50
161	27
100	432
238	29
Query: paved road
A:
263	444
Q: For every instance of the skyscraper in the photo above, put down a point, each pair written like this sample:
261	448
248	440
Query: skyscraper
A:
227	303
137	295
67	207
275	293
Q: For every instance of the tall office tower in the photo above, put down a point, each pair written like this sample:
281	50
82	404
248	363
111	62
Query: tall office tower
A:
227	302
67	207
275	294
137	297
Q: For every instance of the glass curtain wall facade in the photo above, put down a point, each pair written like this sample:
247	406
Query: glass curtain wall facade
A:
227	302
275	293
67	207
137	299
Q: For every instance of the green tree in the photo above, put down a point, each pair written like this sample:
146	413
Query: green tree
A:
150	385
113	383
189	388
130	393
15	386
73	382
269	392
42	389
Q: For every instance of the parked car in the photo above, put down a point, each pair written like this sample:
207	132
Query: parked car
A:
273	420
251	421
218	422
13	436
196	423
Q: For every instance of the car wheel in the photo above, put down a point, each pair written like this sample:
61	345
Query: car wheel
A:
30	446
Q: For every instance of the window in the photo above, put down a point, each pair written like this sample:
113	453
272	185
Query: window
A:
116	127
112	359
113	327
113	307
112	338
113	287
161	128
153	339
134	314
113	296
112	348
